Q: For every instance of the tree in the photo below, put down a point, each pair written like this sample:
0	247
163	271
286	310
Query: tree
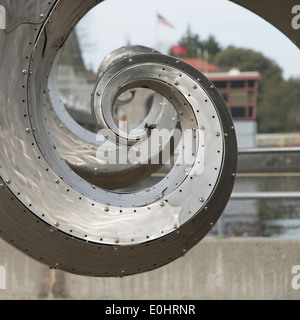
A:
211	46
192	44
250	60
279	111
195	48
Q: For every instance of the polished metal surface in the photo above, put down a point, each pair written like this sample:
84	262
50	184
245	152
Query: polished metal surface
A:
70	136
51	207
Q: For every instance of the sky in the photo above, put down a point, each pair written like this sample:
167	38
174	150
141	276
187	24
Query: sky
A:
115	23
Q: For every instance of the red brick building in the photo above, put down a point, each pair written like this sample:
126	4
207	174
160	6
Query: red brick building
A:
239	89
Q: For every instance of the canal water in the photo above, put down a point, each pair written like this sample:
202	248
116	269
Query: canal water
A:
262	217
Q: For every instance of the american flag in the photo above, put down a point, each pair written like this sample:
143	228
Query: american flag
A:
161	19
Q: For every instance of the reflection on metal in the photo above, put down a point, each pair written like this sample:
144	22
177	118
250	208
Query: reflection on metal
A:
59	202
70	136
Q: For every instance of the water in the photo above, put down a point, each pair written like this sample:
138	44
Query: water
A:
262	217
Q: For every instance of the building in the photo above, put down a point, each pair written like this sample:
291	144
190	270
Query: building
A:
239	90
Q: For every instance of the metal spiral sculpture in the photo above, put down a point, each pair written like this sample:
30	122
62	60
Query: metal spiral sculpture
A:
60	202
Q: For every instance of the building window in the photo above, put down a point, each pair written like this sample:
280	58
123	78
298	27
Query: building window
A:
251	83
237	84
238	112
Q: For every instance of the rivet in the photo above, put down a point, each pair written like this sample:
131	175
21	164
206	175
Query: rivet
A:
57	265
195	87
130	59
117	241
226	134
98	93
8	181
176	83
202	128
56	224
202	199
218	134
175	226
24	72
27	130
178	164
42	16
106	209
211	86
51	231
184	251
162	204
115	249
234	174
57	181
1	185
180	113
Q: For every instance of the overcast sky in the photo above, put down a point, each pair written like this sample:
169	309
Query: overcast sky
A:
114	23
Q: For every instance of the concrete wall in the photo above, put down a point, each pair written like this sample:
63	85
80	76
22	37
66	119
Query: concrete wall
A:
229	268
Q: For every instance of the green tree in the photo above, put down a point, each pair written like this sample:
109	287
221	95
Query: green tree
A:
195	47
192	44
250	60
211	45
280	109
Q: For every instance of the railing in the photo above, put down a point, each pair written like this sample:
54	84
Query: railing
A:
269	150
268	195
264	195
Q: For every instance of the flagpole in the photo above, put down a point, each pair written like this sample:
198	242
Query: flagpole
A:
161	20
